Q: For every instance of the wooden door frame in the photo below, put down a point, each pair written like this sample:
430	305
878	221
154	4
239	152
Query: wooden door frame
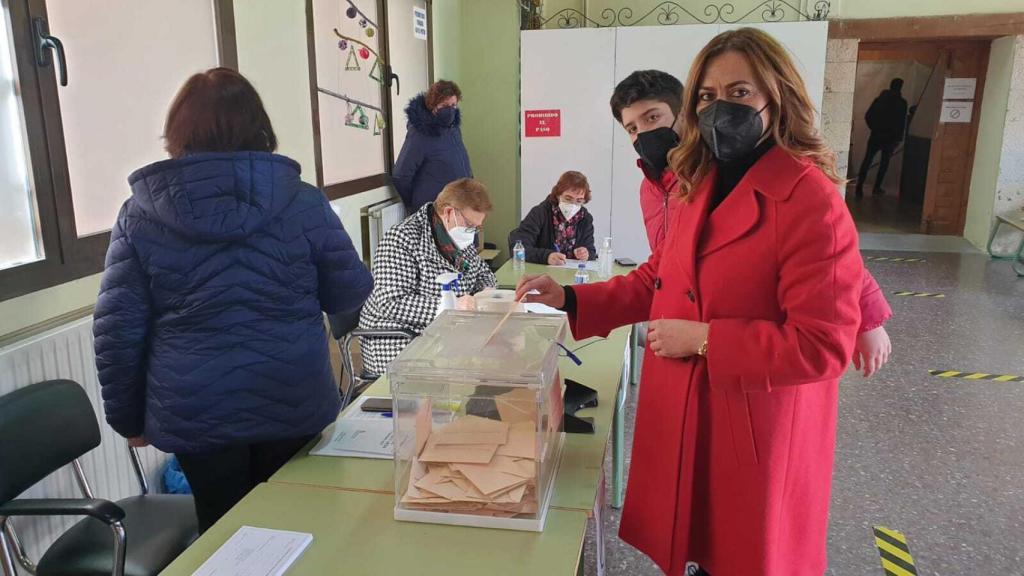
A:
969	28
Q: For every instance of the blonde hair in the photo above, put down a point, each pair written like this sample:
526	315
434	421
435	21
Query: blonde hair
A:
792	112
464	193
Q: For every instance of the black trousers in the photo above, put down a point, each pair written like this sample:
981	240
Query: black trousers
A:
874	147
220	478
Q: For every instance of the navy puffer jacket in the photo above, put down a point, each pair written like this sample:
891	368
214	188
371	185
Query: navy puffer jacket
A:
208	328
432	155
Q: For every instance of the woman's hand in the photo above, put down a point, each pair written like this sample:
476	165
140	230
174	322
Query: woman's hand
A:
581	253
550	292
676	338
137	442
466	302
872	351
556	259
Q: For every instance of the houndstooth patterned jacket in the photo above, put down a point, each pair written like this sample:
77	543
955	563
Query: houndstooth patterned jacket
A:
405	294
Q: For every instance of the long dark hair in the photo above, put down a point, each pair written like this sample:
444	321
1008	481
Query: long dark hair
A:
218	111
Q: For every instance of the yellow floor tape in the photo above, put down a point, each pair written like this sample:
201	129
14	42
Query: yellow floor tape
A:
894	552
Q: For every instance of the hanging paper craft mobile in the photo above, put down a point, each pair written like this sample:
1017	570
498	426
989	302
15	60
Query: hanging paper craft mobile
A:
352	63
357	118
375	72
378	125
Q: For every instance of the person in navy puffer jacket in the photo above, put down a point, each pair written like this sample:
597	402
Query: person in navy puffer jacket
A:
209	328
433	154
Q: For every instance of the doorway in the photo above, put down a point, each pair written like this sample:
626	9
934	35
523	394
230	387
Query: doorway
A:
922	100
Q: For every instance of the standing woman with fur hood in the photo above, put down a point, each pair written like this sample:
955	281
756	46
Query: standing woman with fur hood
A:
433	153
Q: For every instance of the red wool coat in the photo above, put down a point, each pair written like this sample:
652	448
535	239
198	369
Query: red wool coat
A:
732	456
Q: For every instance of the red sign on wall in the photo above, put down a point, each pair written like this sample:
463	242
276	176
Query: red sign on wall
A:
543	123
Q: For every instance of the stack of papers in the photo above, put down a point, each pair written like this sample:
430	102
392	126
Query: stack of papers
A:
256	552
479	466
357	438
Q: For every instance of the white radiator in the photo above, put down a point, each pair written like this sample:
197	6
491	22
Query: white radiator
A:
67	352
378	219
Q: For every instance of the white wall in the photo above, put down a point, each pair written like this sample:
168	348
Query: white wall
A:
997	180
570	70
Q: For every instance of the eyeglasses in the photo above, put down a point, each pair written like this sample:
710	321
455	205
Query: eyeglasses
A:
470	229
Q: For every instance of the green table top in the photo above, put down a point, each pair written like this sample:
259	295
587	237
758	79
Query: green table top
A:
507	277
581	467
355	534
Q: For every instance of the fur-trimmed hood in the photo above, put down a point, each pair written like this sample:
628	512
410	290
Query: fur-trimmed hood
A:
425	121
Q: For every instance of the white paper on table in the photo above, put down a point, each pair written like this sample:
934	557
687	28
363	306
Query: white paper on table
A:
357	438
591	265
256	552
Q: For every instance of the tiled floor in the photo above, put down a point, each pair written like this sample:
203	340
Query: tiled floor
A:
883	214
941	460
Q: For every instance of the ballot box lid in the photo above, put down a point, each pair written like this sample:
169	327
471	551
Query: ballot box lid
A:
456	345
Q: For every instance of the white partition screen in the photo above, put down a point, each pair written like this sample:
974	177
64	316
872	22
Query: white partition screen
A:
575	71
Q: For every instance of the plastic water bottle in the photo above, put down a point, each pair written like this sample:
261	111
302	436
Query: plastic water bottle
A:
605	258
519	257
581	276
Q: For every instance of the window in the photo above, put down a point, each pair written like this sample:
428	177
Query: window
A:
66	150
350	75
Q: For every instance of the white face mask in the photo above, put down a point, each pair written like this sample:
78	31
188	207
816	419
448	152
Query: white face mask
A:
461	235
569	209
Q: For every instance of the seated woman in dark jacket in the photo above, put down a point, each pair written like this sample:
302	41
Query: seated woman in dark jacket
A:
209	328
559	227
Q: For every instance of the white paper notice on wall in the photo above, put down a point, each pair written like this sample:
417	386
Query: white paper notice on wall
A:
954	112
959	88
419	22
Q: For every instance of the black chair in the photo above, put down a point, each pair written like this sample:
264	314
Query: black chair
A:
46	426
345	328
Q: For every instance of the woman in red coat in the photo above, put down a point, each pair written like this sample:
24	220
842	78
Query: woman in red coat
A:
753	308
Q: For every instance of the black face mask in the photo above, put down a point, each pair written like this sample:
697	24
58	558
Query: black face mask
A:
446	116
730	130
653	147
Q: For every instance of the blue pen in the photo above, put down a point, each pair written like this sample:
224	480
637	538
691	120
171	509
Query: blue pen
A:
386	415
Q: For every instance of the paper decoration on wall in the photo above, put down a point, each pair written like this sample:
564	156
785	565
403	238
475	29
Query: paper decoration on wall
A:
357	118
352	62
342	44
375	72
378	125
370	32
364	53
351	12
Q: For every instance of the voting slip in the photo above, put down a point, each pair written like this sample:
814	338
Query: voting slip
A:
256	552
357	438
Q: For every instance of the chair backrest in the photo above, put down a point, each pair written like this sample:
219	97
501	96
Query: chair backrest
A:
343	323
43	427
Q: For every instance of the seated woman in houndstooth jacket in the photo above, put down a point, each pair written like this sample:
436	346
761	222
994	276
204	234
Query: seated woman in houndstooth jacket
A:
437	238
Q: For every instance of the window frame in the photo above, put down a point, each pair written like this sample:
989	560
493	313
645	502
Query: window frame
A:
365	184
66	257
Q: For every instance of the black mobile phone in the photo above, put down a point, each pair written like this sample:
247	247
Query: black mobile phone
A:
625	262
376	405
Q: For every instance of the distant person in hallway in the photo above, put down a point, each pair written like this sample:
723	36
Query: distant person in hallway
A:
887	120
560	227
209	328
433	153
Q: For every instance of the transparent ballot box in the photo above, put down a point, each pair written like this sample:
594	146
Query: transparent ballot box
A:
478	428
